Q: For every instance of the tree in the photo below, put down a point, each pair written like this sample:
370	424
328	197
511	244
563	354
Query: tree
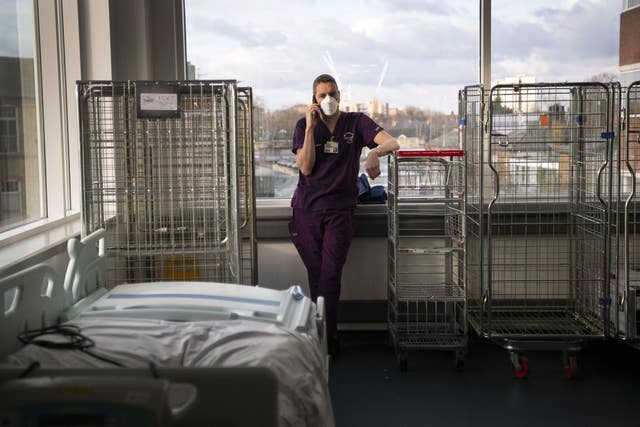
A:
604	77
498	108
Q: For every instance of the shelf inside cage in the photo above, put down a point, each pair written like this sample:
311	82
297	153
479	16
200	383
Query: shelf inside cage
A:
422	292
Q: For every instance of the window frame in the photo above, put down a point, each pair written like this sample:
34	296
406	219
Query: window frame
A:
57	66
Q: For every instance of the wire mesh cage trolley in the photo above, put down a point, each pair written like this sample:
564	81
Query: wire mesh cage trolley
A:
246	175
614	194
471	114
426	283
628	216
547	219
160	172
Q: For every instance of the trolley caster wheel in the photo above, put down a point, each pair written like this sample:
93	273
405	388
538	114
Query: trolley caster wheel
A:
403	361
458	361
570	367
519	365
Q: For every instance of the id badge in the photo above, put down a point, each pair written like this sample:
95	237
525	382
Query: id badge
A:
331	147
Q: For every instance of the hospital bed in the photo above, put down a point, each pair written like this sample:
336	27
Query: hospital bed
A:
245	353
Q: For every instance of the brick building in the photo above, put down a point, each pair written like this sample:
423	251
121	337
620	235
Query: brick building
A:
630	42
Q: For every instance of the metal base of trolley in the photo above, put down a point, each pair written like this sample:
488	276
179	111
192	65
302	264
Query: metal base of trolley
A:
404	341
520	331
427	317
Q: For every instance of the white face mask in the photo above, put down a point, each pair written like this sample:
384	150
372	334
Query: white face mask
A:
329	105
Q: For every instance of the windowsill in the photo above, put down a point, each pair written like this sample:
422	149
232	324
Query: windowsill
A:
37	239
273	215
270	209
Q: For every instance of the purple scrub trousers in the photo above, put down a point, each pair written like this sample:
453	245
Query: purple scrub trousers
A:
322	239
324	202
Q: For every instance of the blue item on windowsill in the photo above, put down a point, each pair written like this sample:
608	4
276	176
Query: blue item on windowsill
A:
368	195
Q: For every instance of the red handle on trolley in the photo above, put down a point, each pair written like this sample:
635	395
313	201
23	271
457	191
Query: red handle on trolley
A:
430	153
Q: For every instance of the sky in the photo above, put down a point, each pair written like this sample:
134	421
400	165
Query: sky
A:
424	50
16	28
430	47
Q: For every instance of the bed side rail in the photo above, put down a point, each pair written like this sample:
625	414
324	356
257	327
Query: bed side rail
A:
32	298
86	271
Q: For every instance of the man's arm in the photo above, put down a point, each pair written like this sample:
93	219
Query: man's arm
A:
306	155
386	144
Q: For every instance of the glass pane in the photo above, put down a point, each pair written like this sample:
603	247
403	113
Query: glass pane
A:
401	64
19	144
536	129
632	3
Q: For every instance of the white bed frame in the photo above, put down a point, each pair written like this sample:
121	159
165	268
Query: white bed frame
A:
180	300
35	298
32	298
242	397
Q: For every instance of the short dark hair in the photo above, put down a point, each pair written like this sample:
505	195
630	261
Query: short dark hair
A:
324	78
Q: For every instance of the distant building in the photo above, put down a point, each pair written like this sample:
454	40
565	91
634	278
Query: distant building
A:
377	107
516	103
449	140
19	148
630	42
629	73
348	106
370	108
410	142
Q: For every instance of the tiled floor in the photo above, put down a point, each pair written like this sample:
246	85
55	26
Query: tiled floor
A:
368	389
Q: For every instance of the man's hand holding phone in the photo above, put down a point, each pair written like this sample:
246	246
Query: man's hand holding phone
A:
313	114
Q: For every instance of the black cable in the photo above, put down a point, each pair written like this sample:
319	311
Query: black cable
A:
154	370
32	367
103	358
75	341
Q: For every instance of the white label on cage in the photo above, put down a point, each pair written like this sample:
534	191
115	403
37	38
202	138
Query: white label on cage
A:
159	101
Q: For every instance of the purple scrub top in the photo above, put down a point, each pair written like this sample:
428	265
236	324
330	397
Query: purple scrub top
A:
333	182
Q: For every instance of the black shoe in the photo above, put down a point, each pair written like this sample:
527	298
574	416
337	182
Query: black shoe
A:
333	347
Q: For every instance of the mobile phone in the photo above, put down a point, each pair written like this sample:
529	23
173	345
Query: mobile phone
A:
313	101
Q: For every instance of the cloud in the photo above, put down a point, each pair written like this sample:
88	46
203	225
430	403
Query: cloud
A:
244	34
431	47
431	7
16	28
557	43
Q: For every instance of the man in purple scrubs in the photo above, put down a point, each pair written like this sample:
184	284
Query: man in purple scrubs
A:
327	144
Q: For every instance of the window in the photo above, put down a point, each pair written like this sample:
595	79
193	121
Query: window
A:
628	4
8	129
20	151
535	129
39	151
10	198
11	186
401	64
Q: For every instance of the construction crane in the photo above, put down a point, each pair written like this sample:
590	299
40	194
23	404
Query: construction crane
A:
345	91
382	76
